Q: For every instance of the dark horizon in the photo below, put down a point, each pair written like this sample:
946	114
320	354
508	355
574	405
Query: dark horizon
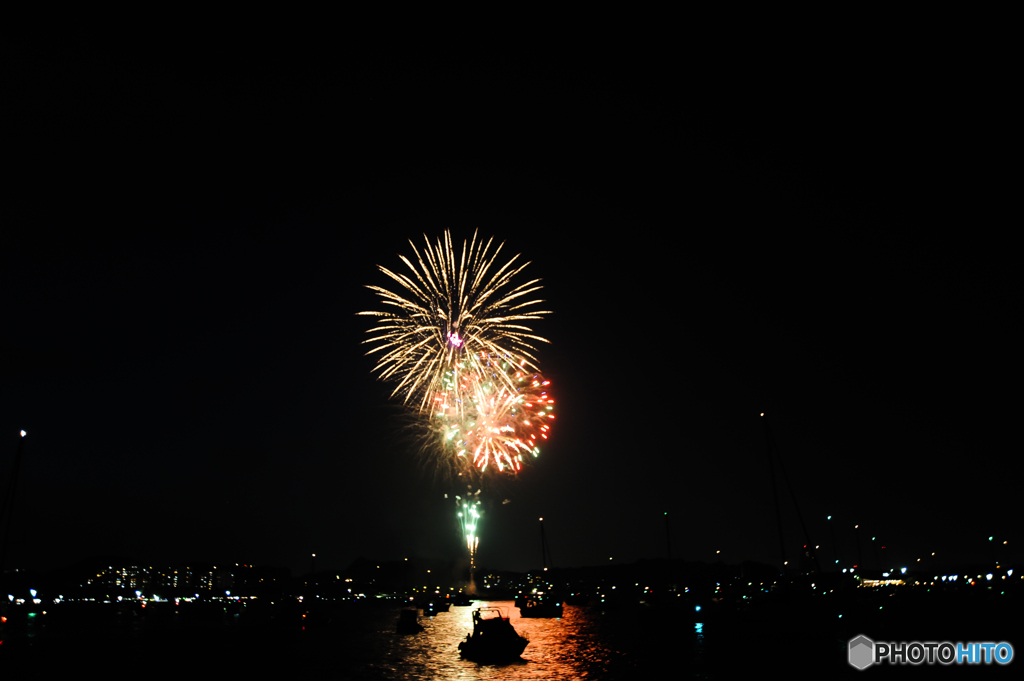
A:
189	242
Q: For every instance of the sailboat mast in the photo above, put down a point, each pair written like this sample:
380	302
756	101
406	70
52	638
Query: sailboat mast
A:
543	546
7	508
789	485
775	491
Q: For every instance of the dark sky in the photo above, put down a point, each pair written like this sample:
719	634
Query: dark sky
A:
186	238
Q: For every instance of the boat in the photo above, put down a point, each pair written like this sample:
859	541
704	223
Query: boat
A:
408	621
540	604
536	605
493	638
436	606
462	599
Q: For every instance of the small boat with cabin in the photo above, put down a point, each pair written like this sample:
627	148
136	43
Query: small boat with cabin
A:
493	638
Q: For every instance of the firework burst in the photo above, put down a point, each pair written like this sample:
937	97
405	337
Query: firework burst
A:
496	415
449	313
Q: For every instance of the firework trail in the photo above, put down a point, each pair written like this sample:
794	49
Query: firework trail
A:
448	315
469	516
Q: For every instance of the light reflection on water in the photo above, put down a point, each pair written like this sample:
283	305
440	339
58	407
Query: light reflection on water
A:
363	643
567	647
698	647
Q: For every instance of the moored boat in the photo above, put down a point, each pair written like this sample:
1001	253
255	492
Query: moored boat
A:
462	599
408	621
433	607
539	606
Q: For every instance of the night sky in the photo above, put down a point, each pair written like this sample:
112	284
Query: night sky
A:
186	239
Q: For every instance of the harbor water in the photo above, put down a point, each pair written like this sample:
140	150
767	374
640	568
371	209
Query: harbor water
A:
363	642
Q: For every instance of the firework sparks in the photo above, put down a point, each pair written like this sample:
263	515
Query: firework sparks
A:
469	516
496	416
448	314
455	341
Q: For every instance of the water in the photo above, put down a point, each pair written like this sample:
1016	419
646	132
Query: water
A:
586	643
350	643
361	642
568	647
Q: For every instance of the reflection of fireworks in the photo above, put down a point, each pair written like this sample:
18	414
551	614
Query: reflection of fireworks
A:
496	414
448	313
